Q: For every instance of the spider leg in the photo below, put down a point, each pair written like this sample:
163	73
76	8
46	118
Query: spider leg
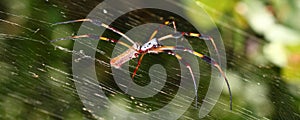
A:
203	57
116	61
138	65
94	37
203	37
167	22
135	70
190	34
188	66
97	23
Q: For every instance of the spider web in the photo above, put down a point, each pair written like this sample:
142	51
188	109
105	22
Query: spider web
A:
36	80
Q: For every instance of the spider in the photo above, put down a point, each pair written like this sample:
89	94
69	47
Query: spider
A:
153	46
